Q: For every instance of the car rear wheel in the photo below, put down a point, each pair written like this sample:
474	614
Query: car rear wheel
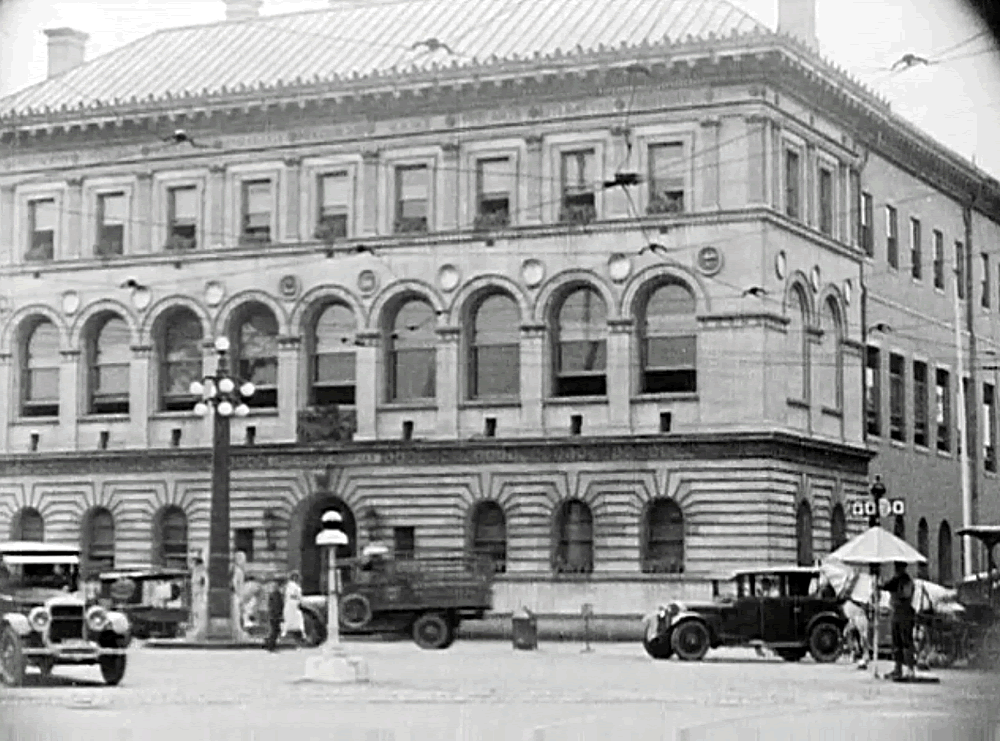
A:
825	642
432	630
12	663
658	647
691	640
791	654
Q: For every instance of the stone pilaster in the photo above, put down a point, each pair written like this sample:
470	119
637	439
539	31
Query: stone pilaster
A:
777	164
534	193
708	164
139	396
9	250
74	244
809	215
369	192
288	387
293	198
366	385
616	201
8	403
447	382
143	221
69	398
619	376
449	191
214	229
757	170
533	376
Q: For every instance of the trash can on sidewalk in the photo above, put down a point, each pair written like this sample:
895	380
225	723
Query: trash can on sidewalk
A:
525	631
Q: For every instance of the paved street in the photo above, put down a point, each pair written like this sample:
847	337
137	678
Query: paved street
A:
486	690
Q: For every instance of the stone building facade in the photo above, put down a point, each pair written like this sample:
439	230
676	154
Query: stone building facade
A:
468	325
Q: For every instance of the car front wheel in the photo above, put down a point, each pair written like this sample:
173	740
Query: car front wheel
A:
825	643
658	647
691	640
12	663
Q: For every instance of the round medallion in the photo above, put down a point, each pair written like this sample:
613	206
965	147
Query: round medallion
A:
781	265
141	298
70	302
709	260
448	278
619	267
532	273
814	277
367	282
848	290
288	287
214	293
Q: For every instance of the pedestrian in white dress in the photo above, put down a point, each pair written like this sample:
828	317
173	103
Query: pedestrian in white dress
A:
293	623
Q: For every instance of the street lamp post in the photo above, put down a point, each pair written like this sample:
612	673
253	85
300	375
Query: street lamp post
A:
220	398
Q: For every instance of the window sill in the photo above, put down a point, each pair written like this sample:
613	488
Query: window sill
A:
901	444
798	403
173	414
87	418
404	406
989	474
831	412
261	412
944	453
666	396
922	449
489	403
571	400
28	421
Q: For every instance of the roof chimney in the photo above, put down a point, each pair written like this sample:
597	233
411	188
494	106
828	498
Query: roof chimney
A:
66	49
243	10
798	18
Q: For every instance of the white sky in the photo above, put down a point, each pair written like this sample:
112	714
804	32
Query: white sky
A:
956	100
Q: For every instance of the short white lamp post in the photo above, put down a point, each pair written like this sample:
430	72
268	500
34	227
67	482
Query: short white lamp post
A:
333	664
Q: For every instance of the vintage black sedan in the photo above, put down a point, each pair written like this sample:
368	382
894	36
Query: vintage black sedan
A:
788	610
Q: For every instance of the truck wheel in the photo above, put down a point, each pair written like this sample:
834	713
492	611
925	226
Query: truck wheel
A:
691	640
658	647
12	663
432	630
355	611
824	643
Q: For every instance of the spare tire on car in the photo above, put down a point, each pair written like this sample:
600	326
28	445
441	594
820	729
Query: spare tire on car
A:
355	611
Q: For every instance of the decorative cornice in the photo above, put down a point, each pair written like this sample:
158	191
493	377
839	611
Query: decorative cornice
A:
620	326
448	334
814	333
451	149
530	331
74	182
619	130
734	320
369	339
142	352
289	342
713	122
369	154
534	141
217	169
144	176
69	356
5	358
295	161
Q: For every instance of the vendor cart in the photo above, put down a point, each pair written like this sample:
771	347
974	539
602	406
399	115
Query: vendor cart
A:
981	596
156	601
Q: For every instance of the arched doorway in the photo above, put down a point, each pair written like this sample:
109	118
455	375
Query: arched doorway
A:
303	555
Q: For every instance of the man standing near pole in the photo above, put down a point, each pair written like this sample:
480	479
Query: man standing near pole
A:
900	587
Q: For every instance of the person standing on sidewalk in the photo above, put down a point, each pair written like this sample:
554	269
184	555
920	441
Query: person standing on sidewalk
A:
294	623
275	612
900	588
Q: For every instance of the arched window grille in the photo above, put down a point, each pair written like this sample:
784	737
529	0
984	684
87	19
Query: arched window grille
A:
489	534
668	341
838	527
40	371
180	353
110	358
171	537
804	534
945	574
494	348
923	545
255	354
99	541
663	533
581	344
412	352
574	553
28	525
332	366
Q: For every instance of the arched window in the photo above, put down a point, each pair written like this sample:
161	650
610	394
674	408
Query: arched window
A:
28	525
109	355
804	534
945	574
412	352
663	538
899	527
923	545
797	348
581	345
489	534
332	367
170	538
829	365
40	371
838	527
494	348
254	345
98	541
179	348
667	341
574	553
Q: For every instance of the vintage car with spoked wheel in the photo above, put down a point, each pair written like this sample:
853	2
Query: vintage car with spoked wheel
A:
788	610
45	620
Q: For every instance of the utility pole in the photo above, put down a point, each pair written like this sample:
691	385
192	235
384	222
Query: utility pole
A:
971	496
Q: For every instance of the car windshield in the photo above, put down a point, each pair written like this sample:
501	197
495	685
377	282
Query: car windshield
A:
27	575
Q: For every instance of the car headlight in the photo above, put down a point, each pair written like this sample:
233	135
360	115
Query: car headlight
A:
39	618
661	612
97	618
674	609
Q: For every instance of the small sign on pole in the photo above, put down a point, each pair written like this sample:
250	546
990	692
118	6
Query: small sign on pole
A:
862	509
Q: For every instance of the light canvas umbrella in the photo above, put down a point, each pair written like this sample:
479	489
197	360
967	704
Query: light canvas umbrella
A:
873	548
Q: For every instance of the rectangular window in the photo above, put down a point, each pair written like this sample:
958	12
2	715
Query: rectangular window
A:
920	403
793	184
989	428
826	201
578	206
938	260
182	218
243	541
855	201
916	251
334	200
666	178
873	389
942	409
110	224
42	217
494	185
985	298
413	188
670	365
867	219
960	270
404	542
897	398
891	237
257	208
